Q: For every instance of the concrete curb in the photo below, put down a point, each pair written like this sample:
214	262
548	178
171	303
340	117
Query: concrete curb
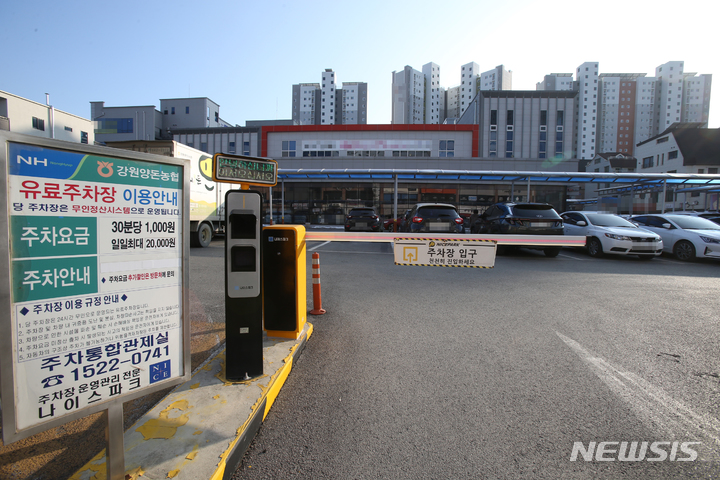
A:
204	426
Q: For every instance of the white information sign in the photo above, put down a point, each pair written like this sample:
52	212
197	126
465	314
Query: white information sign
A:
95	278
428	252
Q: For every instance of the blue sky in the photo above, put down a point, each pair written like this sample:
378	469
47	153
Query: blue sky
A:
246	55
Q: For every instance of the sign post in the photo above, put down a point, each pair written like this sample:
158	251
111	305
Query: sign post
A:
93	283
244	170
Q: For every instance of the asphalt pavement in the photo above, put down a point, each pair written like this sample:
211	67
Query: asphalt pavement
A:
432	372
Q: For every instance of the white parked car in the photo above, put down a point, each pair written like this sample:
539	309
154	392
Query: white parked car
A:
686	236
612	234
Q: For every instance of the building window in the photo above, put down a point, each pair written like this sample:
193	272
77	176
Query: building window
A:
231	147
172	110
664	139
203	146
68	129
510	117
246	148
672	154
187	110
83	137
509	136
493	117
493	144
38	123
447	148
289	148
647	162
114	125
542	147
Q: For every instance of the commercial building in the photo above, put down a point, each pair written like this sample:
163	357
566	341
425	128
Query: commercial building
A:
117	124
21	115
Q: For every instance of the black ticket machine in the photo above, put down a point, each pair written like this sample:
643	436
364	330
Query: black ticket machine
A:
243	281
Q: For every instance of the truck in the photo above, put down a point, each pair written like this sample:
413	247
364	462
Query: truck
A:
207	198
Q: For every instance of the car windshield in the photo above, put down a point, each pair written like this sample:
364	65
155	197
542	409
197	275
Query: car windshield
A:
534	211
435	212
698	223
365	212
608	220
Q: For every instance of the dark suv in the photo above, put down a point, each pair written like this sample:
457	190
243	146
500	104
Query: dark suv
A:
433	218
521	219
362	219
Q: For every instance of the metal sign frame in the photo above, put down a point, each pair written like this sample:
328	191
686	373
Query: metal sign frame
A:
8	330
244	170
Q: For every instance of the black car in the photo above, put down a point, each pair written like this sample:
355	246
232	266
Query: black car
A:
433	218
362	219
521	219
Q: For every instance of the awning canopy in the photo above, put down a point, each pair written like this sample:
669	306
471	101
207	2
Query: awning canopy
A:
647	179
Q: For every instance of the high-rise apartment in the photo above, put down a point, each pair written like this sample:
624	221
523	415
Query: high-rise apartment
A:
408	96
586	84
304	99
325	104
629	108
469	74
556	81
434	94
496	79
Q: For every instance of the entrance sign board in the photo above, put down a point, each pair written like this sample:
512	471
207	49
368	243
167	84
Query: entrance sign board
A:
93	281
245	170
429	252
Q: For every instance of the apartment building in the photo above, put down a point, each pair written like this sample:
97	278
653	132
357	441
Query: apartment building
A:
617	111
325	104
408	96
496	79
556	81
434	94
433	104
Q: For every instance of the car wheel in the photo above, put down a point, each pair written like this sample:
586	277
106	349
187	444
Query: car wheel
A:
646	257
684	250
594	247
551	252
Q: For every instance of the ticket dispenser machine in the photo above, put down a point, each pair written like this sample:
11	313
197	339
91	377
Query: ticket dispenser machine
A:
284	280
243	285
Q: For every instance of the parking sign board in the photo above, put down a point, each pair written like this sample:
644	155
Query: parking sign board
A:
95	280
429	252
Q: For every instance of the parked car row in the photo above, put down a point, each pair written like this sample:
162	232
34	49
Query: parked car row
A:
686	235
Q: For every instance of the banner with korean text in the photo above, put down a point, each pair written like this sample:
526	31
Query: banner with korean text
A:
95	263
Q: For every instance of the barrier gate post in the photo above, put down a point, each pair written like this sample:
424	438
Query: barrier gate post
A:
243	285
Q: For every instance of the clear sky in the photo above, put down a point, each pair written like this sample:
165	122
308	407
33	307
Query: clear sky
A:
246	55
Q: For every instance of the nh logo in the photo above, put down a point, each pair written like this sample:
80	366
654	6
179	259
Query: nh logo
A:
31	160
